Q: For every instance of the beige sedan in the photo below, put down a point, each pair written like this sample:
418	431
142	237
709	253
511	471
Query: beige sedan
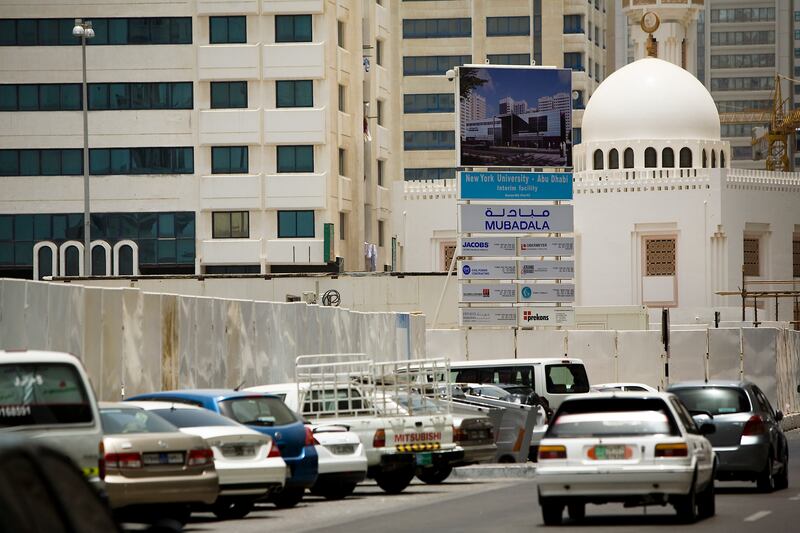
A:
152	468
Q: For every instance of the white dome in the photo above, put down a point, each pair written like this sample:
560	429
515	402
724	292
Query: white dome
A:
650	99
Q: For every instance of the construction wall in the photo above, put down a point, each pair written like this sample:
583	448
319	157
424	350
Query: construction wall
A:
770	357
132	341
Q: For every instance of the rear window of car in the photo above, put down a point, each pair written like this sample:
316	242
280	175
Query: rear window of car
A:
566	379
258	411
42	394
610	417
192	418
714	400
118	421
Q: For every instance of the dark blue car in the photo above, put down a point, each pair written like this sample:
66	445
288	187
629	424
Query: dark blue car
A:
269	415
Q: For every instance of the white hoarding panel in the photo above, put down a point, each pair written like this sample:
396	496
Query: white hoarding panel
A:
487	269
488	316
488	246
546	246
547	292
546	316
515	218
546	269
489	293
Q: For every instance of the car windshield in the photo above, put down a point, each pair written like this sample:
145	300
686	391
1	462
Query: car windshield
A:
41	394
117	421
192	418
566	379
258	411
607	417
714	400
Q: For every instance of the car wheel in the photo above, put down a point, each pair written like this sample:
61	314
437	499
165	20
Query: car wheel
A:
287	498
782	479
434	475
576	511
706	501
766	479
551	512
395	481
232	509
686	506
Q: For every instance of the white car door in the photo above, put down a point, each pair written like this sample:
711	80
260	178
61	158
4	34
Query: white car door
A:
699	445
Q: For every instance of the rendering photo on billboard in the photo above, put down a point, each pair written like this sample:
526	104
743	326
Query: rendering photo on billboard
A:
515	117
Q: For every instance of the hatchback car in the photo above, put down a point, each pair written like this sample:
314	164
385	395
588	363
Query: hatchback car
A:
638	448
248	463
266	414
152	469
749	442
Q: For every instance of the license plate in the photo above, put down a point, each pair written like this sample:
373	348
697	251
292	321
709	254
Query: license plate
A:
424	459
609	452
341	449
238	450
163	458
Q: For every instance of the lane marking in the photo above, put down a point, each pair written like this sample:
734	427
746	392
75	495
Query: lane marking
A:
757	516
795	498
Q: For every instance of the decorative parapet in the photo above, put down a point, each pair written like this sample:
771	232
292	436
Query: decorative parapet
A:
762	180
429	189
611	181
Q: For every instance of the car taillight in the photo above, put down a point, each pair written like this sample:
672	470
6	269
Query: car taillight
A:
310	440
124	460
274	451
552	452
379	440
754	426
672	449
459	434
200	457
101	461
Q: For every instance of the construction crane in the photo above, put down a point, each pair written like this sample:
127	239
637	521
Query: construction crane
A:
773	142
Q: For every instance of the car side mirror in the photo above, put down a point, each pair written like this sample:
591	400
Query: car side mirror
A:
778	416
708	429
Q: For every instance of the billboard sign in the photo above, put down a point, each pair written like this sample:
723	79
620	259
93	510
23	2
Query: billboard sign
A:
515	218
487	269
514	116
546	269
547	292
545	316
515	185
489	293
546	246
488	316
488	246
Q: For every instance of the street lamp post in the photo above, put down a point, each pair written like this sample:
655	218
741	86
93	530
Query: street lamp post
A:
83	31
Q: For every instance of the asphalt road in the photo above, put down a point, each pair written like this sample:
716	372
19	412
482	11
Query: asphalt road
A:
512	506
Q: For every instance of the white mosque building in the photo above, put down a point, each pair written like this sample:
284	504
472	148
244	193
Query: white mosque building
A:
661	219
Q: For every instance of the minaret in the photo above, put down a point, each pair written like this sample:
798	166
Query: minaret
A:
674	28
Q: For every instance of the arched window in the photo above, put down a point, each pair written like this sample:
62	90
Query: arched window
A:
99	261
705	159
650	158
613	158
667	158
598	160
72	261
721	159
627	157
713	159
686	157
45	254
125	261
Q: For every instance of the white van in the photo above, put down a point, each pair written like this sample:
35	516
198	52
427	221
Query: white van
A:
553	378
47	396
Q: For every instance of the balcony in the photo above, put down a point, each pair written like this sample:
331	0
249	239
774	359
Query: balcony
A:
229	126
345	194
384	22
383	202
296	191
291	6
295	251
344	60
286	61
227	7
228	62
346	124
384	81
384	138
233	191
230	251
296	125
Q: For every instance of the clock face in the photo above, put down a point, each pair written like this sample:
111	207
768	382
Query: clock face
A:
650	22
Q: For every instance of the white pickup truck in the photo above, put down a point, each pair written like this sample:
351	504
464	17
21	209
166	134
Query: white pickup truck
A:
400	429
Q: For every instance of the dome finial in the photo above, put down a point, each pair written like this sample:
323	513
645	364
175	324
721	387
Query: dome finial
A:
649	24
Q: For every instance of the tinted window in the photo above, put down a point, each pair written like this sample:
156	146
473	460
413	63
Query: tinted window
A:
566	379
613	416
192	418
44	393
685	416
258	411
714	400
133	420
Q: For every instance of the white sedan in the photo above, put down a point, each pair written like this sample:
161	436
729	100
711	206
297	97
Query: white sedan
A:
639	448
248	463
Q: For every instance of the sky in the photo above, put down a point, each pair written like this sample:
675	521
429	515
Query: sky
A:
521	84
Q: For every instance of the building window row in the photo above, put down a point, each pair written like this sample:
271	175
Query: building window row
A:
414	174
573	24
229	160
228	94
230	225
294	93
429	140
573	60
507	26
743	105
432	65
293	29
742	60
436	28
731	38
44	162
509	59
429	103
154	160
611	160
742	153
227	30
752	83
745	14
296	224
108	31
41	97
738	130
158	95
295	158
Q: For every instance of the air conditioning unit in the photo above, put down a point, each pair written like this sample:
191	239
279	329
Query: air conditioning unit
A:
310	297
